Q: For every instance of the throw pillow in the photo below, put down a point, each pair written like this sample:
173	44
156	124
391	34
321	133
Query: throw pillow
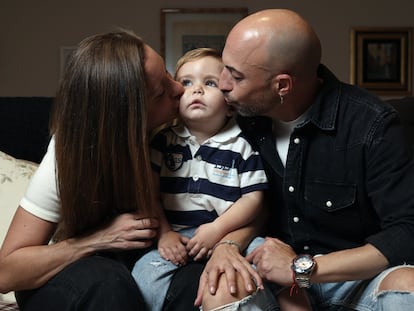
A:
15	175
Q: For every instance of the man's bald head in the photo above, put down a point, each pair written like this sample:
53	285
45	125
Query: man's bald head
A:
277	40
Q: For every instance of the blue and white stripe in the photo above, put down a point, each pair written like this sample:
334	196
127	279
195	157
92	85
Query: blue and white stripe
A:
200	182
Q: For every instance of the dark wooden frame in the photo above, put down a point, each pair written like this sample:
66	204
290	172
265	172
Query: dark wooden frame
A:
381	59
208	27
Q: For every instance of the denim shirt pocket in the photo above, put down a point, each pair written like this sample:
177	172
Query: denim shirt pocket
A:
330	197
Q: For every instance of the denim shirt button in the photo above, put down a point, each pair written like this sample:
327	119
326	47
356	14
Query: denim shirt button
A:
291	189
296	219
296	141
306	248
328	203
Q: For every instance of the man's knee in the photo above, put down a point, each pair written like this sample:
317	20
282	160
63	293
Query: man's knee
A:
400	279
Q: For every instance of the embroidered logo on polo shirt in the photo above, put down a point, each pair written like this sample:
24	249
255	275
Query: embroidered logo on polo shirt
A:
223	169
173	161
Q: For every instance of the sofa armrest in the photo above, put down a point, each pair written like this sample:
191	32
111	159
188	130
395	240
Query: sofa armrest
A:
15	175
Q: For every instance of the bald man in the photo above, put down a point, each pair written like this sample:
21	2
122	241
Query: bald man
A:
341	223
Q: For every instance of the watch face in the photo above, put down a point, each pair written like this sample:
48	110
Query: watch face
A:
302	264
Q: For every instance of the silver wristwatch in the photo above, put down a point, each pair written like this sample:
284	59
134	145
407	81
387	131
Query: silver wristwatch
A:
302	267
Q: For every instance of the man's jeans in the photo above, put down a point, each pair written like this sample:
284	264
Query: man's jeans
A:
352	295
360	295
345	296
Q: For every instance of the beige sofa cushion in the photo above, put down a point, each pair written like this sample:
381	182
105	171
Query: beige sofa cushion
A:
14	178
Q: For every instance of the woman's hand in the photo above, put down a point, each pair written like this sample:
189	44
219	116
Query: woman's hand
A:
127	231
227	260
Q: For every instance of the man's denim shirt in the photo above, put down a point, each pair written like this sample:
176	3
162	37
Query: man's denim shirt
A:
349	176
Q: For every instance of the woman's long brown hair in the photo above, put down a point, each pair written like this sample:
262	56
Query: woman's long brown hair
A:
100	127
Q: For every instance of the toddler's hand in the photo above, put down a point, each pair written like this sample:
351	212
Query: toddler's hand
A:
172	248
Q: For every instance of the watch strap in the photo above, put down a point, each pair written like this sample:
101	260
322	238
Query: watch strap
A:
303	280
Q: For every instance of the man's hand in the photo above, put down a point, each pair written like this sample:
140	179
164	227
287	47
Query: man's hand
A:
273	260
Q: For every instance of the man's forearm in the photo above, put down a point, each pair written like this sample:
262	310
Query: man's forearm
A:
353	264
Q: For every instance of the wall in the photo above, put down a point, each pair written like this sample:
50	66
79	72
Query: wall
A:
32	32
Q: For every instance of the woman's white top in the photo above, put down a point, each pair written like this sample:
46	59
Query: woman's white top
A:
41	197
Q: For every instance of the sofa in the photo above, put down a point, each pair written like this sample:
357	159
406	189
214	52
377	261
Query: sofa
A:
24	137
14	178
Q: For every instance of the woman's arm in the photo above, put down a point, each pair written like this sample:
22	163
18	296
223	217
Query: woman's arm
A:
240	214
27	260
227	266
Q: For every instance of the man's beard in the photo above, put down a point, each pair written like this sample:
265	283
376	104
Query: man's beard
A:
255	108
250	110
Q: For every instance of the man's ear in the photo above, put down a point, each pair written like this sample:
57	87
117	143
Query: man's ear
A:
282	84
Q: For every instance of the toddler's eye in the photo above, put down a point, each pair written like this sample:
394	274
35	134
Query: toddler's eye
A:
212	83
186	82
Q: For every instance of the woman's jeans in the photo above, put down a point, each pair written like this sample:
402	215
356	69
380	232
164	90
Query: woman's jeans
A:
94	283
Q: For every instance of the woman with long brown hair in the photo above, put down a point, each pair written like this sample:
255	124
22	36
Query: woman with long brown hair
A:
89	204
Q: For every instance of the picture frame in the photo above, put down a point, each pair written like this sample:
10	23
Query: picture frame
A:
183	29
381	59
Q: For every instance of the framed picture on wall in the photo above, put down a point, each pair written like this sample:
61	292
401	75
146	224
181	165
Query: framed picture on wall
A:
186	29
381	59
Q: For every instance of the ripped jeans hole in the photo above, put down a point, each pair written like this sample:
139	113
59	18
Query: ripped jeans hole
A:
156	263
